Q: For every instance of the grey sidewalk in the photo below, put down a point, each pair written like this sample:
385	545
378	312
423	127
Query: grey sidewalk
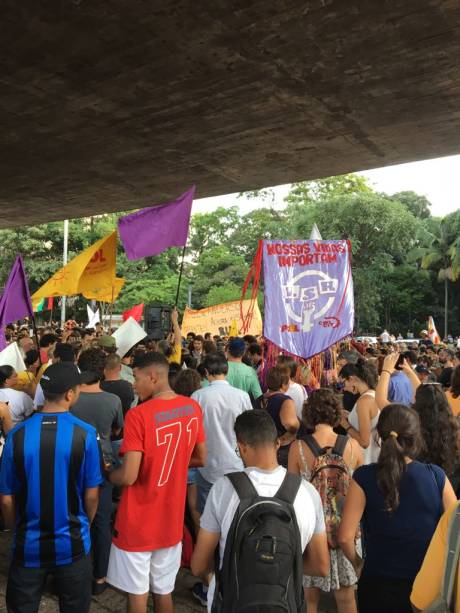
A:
111	600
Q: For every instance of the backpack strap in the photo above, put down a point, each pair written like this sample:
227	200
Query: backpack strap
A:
311	443
340	444
242	485
452	558
289	488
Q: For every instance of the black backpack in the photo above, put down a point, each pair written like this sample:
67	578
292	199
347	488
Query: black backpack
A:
262	566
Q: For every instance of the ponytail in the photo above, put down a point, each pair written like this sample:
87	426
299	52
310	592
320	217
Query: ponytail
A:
399	430
364	370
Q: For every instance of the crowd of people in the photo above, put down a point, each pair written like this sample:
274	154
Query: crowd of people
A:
110	463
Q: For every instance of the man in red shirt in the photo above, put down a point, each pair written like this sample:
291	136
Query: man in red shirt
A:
163	436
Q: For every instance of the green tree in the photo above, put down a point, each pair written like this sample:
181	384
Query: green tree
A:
328	187
209	230
258	224
418	205
226	292
381	231
218	267
443	255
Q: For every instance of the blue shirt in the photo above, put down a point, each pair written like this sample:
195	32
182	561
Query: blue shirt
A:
395	544
400	389
48	462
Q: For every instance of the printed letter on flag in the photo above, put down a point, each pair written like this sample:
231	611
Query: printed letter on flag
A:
152	230
91	273
309	302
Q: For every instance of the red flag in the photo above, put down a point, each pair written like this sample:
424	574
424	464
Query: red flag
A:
136	312
49	306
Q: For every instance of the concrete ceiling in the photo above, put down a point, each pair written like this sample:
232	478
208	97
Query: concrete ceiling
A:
111	105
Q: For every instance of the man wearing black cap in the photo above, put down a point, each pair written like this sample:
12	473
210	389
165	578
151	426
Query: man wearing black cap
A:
49	481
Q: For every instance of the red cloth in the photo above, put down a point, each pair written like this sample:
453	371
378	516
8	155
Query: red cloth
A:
135	312
49	306
187	548
151	511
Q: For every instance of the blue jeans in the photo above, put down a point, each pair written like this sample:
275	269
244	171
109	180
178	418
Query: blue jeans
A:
204	488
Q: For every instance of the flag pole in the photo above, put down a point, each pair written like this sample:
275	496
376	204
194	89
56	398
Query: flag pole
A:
64	259
34	328
111	312
180	275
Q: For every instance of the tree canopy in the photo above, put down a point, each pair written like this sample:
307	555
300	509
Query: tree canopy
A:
403	258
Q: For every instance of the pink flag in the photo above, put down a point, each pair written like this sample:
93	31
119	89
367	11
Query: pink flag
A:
151	231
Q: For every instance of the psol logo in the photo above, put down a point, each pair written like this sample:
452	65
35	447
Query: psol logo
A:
290	328
309	296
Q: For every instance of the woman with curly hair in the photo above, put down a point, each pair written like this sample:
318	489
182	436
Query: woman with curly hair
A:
440	430
322	413
453	394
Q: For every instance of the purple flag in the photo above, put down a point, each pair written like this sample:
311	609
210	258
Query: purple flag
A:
309	302
152	230
15	302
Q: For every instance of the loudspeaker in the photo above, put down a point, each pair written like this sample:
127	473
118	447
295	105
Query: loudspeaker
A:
157	320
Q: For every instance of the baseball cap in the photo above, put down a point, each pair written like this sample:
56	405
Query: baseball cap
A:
60	378
106	341
237	344
423	370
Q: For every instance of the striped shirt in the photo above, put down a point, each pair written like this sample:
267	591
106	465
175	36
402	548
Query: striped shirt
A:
48	462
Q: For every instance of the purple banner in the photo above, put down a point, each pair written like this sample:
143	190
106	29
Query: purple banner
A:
309	302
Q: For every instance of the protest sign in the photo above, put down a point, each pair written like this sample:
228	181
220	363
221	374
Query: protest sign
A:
309	302
11	356
218	319
127	335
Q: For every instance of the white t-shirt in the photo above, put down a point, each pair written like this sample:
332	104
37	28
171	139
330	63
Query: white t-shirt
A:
223	501
39	399
20	404
221	404
298	394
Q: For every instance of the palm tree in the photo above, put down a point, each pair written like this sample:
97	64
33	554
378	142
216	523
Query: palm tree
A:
443	255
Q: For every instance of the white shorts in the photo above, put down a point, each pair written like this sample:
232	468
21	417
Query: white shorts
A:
135	572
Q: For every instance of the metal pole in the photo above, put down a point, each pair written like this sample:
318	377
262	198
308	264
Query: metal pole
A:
180	276
64	259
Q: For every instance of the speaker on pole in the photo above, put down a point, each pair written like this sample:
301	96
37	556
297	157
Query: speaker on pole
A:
157	321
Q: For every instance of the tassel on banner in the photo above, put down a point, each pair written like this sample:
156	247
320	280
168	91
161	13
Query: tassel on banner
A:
254	276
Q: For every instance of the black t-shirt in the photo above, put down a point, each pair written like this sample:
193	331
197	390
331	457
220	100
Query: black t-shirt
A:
446	376
122	389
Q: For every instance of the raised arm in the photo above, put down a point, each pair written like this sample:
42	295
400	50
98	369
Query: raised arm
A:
381	392
176	327
412	376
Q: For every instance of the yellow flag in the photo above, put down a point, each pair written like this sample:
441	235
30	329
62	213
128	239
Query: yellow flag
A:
233	328
91	272
107	293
